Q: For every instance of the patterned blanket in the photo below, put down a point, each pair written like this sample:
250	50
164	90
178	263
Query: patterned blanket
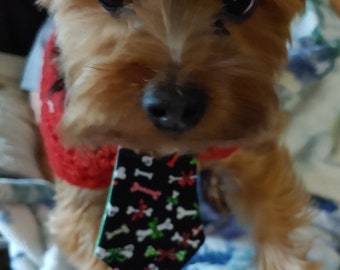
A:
25	205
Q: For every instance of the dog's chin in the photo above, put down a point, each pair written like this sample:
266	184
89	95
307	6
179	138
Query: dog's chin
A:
181	147
145	137
157	145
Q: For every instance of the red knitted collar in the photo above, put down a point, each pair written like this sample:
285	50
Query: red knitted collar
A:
78	166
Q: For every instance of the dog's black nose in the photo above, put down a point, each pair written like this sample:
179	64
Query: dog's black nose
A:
174	108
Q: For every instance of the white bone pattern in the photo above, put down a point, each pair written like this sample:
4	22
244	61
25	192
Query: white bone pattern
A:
102	253
182	213
112	210
179	239
148	161
197	230
151	266
120	173
170	206
173	179
147	175
127	252
122	230
142	234
131	210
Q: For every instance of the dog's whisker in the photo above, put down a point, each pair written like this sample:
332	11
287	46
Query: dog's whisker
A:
96	68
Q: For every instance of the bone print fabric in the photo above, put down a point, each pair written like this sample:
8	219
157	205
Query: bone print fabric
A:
152	218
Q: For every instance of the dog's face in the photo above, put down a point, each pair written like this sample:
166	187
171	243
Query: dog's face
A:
165	75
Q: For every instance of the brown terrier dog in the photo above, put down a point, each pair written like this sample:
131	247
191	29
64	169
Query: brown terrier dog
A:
127	63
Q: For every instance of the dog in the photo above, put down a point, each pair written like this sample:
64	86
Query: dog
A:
166	76
335	4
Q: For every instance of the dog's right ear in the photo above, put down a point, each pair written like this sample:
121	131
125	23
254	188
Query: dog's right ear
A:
43	3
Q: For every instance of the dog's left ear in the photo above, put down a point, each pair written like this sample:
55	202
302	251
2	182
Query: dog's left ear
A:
303	2
335	4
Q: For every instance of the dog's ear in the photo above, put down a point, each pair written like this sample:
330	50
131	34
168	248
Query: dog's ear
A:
43	3
335	4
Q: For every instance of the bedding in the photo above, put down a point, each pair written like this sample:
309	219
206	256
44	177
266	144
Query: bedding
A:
309	93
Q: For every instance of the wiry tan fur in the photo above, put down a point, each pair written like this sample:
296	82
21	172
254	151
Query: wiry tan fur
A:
107	61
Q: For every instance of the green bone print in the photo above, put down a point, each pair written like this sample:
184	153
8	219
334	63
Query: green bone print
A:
116	254
173	201
152	252
155	232
196	206
194	161
123	230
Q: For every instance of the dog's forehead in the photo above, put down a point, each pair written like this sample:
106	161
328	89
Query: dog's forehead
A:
207	7
178	12
173	21
191	15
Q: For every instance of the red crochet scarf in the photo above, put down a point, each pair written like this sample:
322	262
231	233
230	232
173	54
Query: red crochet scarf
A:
80	167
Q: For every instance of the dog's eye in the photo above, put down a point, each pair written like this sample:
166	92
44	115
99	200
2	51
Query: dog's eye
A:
112	5
239	8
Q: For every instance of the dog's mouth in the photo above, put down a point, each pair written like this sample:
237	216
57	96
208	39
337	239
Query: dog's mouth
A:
158	146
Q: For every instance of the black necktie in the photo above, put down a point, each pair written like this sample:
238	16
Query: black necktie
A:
152	218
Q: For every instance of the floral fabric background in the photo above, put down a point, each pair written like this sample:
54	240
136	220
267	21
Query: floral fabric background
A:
309	91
